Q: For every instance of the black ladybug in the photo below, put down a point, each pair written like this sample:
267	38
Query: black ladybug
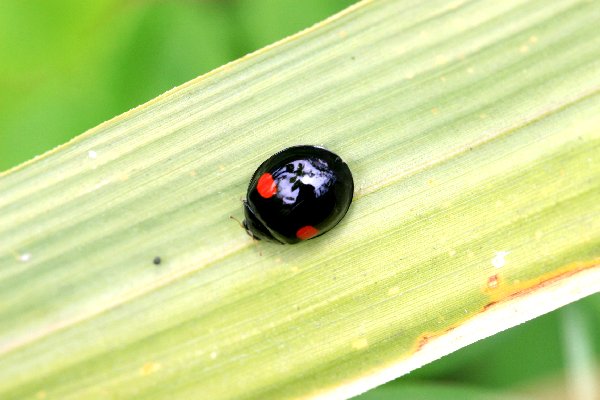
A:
297	194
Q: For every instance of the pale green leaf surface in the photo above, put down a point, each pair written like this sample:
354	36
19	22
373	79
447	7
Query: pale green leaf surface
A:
472	130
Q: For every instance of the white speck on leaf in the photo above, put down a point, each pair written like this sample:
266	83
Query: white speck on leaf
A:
25	257
394	290
103	182
92	154
499	259
441	59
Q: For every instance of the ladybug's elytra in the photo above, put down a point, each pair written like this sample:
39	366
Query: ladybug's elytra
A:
297	194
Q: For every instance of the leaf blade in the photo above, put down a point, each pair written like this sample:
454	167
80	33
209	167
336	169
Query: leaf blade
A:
461	153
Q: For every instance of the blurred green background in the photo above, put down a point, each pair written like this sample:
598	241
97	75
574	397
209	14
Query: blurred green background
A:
68	65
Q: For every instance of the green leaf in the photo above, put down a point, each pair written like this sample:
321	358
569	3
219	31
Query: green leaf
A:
472	130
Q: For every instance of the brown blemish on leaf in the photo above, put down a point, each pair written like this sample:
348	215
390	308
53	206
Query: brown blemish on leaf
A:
507	291
493	281
517	288
424	339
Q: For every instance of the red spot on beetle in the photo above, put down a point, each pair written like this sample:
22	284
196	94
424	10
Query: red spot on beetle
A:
266	185
306	232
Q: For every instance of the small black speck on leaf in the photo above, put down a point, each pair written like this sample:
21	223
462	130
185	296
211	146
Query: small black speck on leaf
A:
156	260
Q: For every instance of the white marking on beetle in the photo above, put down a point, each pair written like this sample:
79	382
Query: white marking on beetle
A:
499	259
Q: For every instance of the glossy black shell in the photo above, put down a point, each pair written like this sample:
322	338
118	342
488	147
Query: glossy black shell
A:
314	188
